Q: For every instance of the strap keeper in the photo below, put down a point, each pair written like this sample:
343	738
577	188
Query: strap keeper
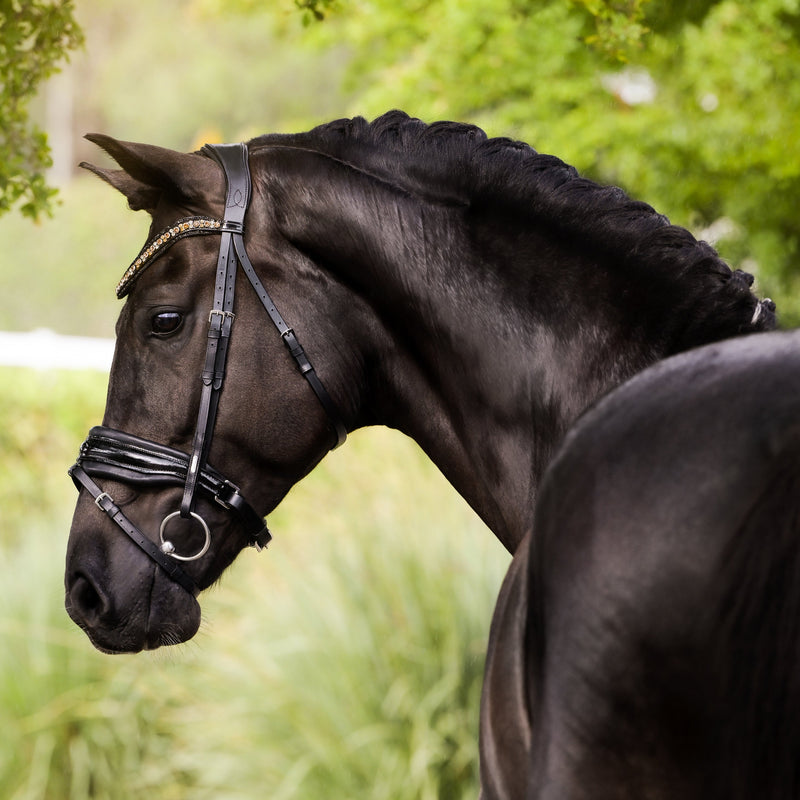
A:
213	378
232	490
295	348
232	226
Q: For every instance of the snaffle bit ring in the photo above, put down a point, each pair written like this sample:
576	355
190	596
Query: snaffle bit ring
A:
169	548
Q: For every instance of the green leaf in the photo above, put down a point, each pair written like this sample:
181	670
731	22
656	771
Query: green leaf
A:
34	37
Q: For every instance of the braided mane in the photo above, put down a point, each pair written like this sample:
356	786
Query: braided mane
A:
455	163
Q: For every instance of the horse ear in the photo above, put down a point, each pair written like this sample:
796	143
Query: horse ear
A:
149	172
140	195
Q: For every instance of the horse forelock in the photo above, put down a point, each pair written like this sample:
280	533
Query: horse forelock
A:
457	163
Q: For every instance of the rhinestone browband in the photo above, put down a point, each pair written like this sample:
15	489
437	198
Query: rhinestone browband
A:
190	226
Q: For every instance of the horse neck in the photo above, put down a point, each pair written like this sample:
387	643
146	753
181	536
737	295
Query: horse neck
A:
492	349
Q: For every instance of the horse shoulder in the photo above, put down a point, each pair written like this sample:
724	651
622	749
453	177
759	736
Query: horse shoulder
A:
646	523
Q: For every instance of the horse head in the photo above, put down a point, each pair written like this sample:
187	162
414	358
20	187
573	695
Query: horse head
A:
265	426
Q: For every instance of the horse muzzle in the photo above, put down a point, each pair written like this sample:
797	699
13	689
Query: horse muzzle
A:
122	601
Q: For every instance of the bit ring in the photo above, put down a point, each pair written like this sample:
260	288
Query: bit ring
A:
168	547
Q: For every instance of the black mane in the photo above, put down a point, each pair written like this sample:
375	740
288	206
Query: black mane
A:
456	163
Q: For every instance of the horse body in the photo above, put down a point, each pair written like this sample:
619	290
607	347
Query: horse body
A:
652	620
471	293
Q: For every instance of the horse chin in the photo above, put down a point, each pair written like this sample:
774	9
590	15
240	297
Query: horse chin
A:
174	625
135	639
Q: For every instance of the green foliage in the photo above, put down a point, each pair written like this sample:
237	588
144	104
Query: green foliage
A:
664	16
619	25
315	9
346	661
34	36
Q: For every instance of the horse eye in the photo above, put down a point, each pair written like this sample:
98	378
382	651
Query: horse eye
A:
166	322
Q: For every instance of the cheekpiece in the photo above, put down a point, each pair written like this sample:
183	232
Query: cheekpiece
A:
155	247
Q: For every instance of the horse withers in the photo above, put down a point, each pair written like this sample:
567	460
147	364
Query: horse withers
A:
470	292
652	623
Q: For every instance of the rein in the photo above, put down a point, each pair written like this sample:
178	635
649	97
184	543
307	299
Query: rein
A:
109	453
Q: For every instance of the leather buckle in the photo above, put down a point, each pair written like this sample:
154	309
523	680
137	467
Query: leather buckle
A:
222	313
98	501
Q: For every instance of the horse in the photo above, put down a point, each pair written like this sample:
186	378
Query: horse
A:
470	292
652	624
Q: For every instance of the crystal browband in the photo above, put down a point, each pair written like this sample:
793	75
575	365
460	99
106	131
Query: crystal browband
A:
190	226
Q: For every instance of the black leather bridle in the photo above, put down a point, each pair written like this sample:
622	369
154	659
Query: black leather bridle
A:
109	453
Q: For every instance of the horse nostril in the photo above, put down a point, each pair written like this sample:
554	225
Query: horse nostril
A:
86	600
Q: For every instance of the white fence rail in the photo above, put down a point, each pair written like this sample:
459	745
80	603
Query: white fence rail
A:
44	349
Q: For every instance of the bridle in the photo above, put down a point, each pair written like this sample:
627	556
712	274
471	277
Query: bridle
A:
109	453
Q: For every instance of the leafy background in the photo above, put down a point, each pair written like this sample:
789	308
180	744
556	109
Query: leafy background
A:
347	661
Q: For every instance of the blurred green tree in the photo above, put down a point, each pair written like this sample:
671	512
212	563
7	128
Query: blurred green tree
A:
35	35
689	104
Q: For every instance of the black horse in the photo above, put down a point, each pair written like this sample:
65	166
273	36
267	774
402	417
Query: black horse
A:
652	624
470	292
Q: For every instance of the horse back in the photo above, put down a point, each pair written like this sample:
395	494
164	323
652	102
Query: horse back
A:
662	633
